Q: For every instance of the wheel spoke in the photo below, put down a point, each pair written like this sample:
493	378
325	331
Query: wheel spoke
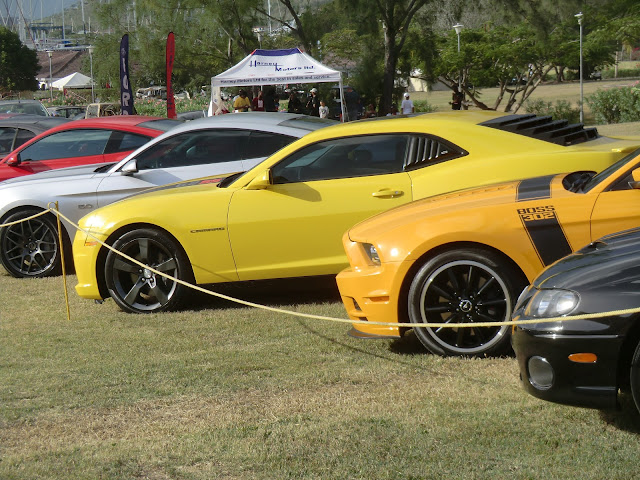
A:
143	246
131	296
124	265
441	292
453	279
160	294
486	285
166	266
447	321
439	309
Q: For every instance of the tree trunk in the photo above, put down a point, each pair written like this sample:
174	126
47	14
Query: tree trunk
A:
390	60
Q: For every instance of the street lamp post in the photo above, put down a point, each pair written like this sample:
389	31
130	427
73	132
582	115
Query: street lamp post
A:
50	53
579	17
90	48
458	28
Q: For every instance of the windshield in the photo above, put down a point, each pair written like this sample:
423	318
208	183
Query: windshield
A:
599	177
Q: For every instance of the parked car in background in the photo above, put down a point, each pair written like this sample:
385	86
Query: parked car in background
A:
67	111
17	129
31	107
94	110
285	217
583	362
464	257
212	146
83	142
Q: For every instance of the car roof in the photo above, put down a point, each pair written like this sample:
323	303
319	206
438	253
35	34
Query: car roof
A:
258	121
38	120
120	121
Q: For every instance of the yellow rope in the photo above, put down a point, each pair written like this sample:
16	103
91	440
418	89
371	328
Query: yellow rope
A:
355	322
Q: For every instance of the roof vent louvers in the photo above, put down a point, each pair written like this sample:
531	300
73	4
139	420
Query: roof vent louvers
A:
543	128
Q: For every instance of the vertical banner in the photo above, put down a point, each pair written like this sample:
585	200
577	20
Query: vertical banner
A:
126	99
171	50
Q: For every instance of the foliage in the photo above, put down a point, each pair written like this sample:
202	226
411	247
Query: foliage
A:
423	106
18	64
561	110
616	105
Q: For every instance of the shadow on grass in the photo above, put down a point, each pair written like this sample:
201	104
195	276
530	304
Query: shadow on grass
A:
274	292
626	418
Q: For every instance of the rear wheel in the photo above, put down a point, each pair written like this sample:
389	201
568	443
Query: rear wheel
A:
31	248
137	289
464	286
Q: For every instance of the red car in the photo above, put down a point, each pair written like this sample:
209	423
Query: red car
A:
81	142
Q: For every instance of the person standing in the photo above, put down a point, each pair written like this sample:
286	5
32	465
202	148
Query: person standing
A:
257	104
270	100
313	104
407	105
456	99
242	103
323	111
295	105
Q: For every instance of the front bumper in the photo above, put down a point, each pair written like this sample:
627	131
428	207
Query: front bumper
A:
372	294
592	385
85	258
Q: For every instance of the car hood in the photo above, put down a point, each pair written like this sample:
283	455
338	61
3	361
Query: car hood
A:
462	200
611	260
59	174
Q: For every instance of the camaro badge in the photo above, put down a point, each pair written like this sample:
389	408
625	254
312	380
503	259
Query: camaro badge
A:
216	229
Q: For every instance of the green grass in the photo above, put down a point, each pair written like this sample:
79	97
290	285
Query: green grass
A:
222	391
230	392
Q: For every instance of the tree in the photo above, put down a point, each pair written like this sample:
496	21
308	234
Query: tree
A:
18	64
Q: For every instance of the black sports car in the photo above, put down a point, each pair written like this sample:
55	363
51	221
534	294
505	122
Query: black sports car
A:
583	362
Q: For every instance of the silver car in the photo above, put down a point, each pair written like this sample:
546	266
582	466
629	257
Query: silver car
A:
209	146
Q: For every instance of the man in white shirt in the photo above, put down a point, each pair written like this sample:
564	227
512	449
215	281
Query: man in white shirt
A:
407	105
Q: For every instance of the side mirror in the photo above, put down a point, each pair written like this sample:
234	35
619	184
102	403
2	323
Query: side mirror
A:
635	174
130	167
14	160
261	181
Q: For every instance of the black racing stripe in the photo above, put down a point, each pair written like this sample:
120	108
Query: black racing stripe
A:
547	236
534	188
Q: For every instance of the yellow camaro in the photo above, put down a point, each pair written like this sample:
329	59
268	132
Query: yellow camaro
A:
463	257
286	216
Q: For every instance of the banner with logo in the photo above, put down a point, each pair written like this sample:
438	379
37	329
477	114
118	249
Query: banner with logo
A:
126	98
171	50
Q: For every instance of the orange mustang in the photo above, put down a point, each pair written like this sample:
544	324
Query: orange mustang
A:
463	257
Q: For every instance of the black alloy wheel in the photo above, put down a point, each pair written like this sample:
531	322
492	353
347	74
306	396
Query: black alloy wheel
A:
464	286
137	289
30	248
635	378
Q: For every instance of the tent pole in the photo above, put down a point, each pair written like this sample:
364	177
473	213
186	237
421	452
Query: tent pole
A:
342	106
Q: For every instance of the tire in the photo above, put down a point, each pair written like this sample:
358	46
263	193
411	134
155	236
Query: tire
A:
30	249
464	286
634	377
138	290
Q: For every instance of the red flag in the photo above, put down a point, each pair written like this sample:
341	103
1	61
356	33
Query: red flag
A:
171	50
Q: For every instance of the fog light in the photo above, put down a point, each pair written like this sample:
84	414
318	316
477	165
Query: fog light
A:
541	373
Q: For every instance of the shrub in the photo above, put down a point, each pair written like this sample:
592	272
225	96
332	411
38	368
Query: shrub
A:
423	106
616	105
562	109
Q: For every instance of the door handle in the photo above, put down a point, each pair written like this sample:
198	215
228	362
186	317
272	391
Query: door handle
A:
388	193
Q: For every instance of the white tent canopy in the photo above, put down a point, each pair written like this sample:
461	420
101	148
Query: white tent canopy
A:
75	80
271	67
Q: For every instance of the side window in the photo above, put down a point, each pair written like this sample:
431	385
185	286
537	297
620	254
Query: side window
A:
71	143
263	144
7	134
424	151
124	142
23	136
344	158
193	148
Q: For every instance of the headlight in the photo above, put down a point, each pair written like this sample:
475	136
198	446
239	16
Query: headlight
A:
552	303
372	253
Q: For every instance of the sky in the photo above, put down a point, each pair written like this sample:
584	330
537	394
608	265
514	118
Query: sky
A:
34	8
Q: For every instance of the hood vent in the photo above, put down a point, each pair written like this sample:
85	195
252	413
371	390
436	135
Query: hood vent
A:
544	128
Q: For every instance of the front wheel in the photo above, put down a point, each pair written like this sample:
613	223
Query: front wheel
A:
30	248
137	289
464	286
635	377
